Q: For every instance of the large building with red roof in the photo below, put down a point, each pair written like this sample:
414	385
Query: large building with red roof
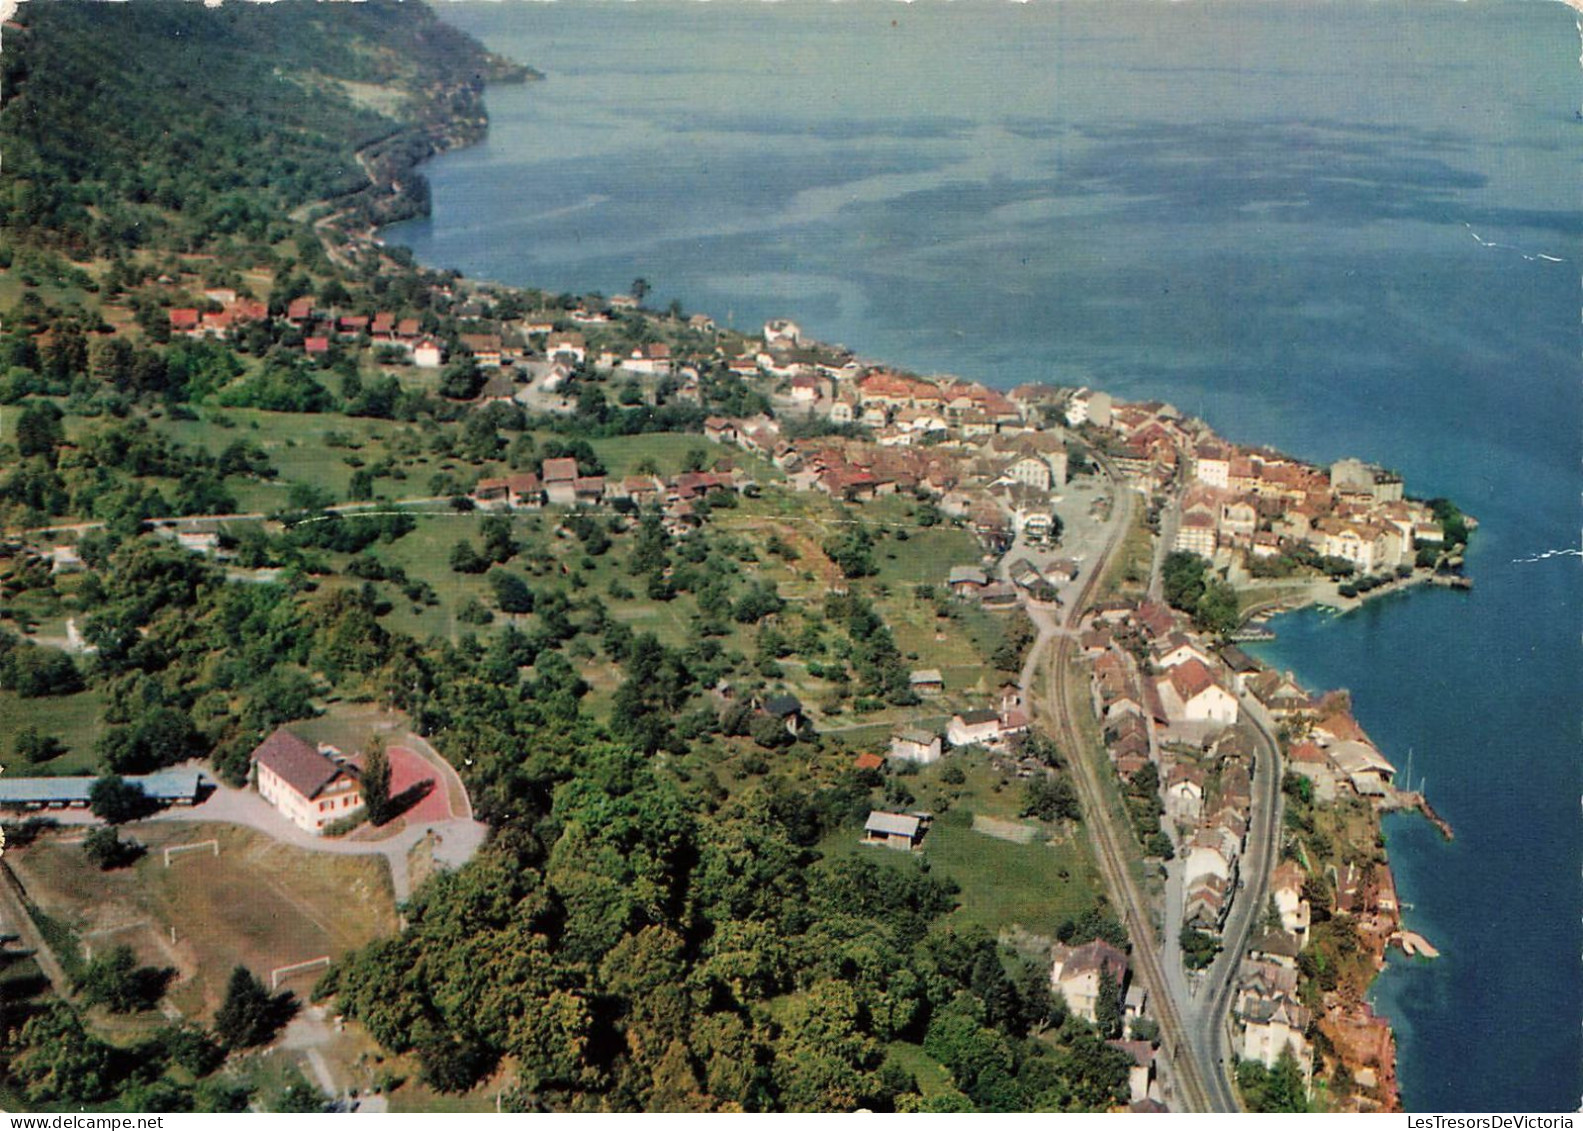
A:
309	788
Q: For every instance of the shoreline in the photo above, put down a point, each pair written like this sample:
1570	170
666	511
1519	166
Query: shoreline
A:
1323	594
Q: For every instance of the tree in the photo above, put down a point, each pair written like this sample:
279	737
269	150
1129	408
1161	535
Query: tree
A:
1050	797
1216	608
1278	1089
499	546
770	732
376	783
188	1046
1198	948
1107	1005
299	1097
511	592
453	1062
116	800
33	746
106	850
58	1061
853	552
250	1015
465	559
461	380
640	288
115	981
39	431
1159	844
1182	576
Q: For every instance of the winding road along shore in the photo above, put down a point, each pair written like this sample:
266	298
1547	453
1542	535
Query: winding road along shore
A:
1192	1019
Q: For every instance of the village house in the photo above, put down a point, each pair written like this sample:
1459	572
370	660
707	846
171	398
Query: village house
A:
1307	760
1196	534
306	786
1176	648
926	681
560	481
1190	693
788	709
1212	465
998	596
1014	723
1271	1018
1076	973
1280	693
652	360
970	728
1286	889
1140	1074
1206	901
782	333
916	745
485	348
966	581
427	354
1362	765
1184	795
568	344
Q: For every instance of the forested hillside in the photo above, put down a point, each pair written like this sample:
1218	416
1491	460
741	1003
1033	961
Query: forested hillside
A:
671	911
129	127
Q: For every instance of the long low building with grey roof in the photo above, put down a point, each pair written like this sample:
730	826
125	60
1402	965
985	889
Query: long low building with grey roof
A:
168	787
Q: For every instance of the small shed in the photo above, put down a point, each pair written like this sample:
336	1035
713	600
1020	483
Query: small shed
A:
895	830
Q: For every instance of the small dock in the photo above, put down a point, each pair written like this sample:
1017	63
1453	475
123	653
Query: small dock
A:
1414	799
1414	945
1434	818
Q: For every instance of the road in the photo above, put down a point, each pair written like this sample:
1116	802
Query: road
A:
1208	1010
1191	1048
187	519
1170	523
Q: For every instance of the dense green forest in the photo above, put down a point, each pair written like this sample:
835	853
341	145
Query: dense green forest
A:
644	929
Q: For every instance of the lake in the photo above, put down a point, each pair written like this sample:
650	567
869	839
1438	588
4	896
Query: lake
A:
1340	228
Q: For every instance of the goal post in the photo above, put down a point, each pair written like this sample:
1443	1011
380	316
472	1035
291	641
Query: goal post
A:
178	849
279	973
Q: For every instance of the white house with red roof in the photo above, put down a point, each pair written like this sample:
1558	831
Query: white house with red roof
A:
308	788
1076	973
1190	693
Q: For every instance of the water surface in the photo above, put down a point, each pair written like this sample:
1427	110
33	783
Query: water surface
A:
1264	213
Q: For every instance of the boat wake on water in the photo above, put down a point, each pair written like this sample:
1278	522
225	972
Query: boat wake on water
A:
1568	552
1491	244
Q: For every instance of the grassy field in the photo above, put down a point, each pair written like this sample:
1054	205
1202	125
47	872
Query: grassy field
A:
933	1078
74	719
259	904
1004	885
1129	572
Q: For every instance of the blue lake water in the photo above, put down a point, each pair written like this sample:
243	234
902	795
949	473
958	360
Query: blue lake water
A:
1264	213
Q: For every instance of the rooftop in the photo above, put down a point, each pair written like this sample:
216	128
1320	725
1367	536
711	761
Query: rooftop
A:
297	762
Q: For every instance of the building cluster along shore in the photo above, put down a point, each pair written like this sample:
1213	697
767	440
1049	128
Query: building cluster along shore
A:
1121	554
1181	709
